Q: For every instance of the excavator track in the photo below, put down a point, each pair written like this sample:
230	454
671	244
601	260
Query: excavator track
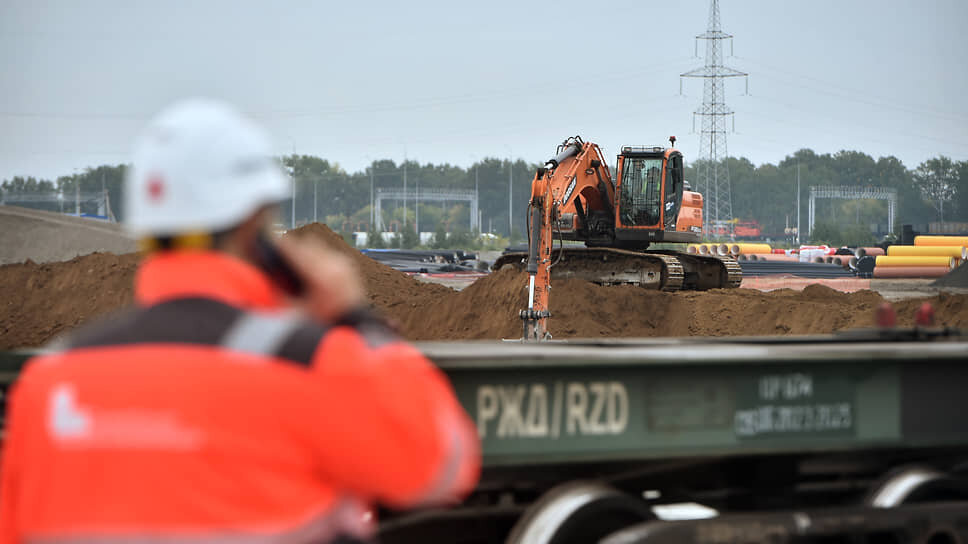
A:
703	272
734	273
655	270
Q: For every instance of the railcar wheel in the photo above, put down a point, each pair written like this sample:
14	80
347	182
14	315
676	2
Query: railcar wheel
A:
578	513
916	483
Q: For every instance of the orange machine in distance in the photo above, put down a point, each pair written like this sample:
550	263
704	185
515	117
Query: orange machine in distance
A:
575	197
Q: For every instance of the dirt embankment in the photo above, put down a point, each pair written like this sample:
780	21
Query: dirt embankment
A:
488	309
396	294
40	301
43	300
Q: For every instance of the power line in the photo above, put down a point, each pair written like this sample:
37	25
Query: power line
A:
905	134
787	124
854	94
411	104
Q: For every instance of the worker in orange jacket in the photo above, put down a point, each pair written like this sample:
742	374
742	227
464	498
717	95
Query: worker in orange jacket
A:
247	396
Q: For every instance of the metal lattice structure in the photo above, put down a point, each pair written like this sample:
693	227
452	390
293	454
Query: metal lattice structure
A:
852	193
435	195
713	174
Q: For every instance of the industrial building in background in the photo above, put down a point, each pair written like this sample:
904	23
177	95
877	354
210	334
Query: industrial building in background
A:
712	172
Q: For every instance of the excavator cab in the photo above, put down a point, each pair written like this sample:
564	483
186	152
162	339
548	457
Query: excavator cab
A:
640	190
650	196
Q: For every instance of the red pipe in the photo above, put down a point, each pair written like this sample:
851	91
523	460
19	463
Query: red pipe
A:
872	251
910	271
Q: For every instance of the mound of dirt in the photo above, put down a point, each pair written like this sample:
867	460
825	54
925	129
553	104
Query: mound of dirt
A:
396	294
488	309
40	301
43	300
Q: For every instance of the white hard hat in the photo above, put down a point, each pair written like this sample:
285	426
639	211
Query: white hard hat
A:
199	166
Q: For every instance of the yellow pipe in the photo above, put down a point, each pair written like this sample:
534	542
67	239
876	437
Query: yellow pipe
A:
928	251
941	240
886	260
736	249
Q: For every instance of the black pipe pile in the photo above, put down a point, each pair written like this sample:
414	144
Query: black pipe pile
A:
425	261
802	270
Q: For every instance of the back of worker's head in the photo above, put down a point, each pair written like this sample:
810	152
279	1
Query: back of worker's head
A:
200	168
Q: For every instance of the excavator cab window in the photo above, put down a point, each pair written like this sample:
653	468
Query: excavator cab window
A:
641	196
673	194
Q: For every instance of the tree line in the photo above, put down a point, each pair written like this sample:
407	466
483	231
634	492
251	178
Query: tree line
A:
936	190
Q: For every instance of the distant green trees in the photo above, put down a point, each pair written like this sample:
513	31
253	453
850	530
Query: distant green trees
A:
961	195
938	180
374	238
835	235
440	237
91	180
768	192
936	188
408	237
324	190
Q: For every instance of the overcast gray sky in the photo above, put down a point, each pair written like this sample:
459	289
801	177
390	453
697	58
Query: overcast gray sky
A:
457	81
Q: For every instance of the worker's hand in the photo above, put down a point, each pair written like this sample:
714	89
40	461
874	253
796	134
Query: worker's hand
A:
332	283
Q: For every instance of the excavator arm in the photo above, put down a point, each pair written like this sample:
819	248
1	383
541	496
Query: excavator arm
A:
573	191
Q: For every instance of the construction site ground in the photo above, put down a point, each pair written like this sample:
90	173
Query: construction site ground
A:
42	300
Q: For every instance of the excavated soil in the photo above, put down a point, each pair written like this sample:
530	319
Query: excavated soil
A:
398	295
40	301
488	309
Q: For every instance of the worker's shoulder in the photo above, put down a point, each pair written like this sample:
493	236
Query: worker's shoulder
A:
184	320
202	322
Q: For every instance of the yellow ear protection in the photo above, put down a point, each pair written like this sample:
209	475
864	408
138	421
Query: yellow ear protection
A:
188	240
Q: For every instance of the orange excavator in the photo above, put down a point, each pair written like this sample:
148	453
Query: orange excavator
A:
574	197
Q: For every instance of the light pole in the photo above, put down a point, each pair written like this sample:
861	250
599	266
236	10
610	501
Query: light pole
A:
477	195
416	211
404	186
315	192
292	181
510	193
371	226
372	211
798	202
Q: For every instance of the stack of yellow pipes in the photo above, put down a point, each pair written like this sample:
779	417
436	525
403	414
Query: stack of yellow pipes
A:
747	249
929	257
757	252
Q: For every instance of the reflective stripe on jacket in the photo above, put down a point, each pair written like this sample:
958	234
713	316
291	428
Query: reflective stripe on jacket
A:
209	413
